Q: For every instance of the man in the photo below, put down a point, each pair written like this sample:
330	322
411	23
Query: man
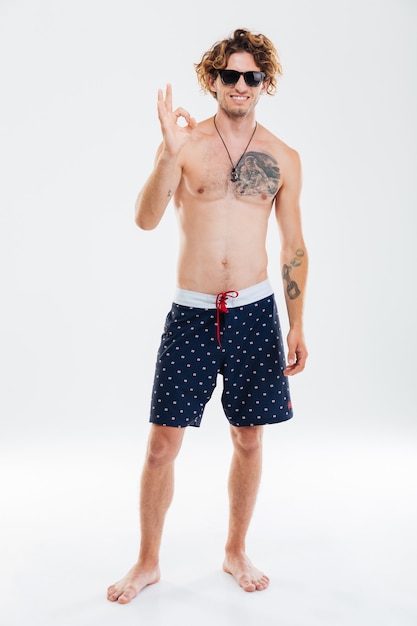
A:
224	176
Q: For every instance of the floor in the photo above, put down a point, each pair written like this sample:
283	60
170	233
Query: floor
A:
334	529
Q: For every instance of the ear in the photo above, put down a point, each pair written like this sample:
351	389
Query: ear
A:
212	84
265	86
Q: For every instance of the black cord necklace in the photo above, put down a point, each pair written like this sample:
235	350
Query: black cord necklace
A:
234	176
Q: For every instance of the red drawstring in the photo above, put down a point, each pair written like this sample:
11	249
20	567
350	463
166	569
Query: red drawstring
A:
222	308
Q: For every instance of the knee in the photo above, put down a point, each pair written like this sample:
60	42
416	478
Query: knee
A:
163	445
247	440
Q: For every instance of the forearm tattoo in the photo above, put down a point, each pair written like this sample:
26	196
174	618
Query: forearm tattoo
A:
293	289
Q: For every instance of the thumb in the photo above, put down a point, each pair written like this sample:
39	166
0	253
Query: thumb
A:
292	359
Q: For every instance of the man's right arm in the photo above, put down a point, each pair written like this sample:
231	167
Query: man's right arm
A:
165	178
158	191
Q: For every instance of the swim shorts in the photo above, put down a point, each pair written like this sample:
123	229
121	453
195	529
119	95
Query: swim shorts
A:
234	335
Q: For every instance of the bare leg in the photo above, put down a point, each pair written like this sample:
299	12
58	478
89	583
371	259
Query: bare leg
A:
157	489
245	475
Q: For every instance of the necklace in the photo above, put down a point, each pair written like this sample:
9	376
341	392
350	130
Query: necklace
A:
234	176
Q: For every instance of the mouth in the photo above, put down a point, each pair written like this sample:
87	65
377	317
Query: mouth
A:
239	98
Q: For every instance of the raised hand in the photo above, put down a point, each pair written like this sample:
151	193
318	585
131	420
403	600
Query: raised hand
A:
174	135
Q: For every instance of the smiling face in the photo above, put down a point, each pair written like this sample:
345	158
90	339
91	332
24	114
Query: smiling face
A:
238	100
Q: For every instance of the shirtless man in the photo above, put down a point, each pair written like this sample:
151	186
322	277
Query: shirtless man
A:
223	319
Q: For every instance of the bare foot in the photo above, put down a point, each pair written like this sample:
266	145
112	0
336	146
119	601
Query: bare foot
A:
246	575
135	580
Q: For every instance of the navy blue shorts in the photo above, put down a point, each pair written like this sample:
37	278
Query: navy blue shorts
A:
247	352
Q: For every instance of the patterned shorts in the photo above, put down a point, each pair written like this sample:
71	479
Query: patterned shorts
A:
241	342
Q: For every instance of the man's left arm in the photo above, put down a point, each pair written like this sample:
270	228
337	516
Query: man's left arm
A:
294	259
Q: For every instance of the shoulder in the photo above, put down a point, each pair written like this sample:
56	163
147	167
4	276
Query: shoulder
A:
202	133
199	141
203	130
278	147
288	158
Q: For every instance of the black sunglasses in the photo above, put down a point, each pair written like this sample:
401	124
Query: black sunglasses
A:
231	77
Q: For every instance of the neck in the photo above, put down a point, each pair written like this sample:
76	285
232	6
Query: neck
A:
234	125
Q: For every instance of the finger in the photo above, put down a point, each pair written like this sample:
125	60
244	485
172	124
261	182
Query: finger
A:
292	371
161	103
297	366
292	358
182	113
165	100
168	97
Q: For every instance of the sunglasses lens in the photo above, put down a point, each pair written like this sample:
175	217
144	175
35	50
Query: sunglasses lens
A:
229	77
253	79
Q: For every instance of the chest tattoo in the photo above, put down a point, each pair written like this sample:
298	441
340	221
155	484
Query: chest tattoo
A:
257	173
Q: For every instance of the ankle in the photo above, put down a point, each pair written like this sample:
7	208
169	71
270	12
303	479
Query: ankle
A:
147	562
233	549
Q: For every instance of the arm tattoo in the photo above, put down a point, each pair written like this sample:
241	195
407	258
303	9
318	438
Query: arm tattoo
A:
293	289
169	194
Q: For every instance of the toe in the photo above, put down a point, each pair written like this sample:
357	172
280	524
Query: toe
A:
127	596
247	585
262	583
112	594
112	597
261	586
123	599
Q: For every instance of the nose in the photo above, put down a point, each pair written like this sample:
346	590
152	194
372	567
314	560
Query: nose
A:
241	85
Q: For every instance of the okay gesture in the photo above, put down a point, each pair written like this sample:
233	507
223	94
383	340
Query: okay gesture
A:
175	135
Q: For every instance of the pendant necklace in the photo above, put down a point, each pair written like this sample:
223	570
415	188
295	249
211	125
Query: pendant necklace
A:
234	176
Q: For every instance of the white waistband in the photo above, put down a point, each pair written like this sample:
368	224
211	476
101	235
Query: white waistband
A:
208	301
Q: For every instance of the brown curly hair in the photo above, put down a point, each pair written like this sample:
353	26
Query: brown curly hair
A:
261	48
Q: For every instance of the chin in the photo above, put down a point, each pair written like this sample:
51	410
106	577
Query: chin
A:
238	113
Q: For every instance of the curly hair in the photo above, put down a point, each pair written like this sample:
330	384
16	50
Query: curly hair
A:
261	48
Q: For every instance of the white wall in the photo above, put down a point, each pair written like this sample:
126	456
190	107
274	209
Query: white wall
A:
84	292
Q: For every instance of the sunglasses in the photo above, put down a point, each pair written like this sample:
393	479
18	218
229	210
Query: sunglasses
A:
231	77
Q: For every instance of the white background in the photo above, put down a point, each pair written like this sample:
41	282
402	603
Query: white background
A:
84	294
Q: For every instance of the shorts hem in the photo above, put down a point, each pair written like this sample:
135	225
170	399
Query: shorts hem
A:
236	425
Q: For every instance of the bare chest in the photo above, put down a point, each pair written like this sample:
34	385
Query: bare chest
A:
255	176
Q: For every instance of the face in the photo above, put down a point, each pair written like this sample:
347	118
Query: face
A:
238	100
